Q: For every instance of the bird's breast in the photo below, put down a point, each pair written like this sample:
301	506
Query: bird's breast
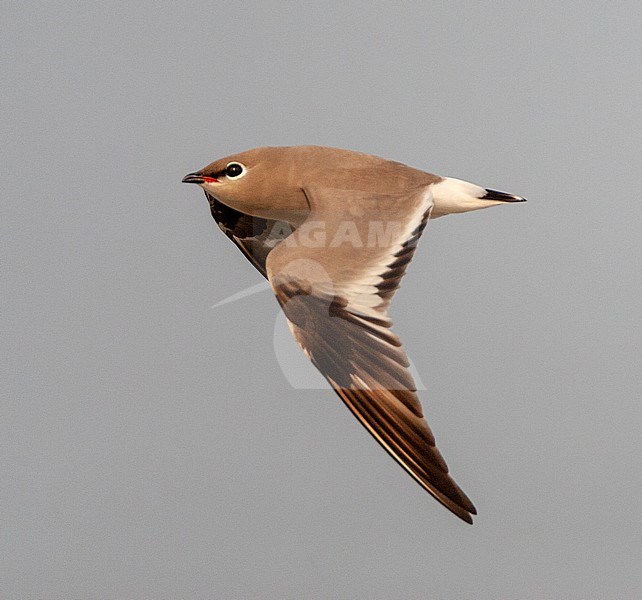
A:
286	205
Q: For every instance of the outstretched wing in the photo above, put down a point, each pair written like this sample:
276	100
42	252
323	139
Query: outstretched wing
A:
335	296
254	236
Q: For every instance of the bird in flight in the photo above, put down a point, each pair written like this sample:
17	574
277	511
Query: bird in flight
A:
333	231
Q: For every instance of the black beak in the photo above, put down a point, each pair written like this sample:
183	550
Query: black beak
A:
499	196
193	178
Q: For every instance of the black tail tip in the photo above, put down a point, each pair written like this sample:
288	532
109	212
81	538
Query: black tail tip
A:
501	196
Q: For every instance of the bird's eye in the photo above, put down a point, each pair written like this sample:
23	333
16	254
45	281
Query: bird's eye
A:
234	170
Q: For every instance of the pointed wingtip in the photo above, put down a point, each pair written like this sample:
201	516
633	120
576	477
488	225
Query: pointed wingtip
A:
465	514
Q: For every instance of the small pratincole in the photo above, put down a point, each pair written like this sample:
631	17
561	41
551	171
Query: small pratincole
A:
333	231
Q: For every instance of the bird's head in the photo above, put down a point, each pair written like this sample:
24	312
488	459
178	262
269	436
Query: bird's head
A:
257	182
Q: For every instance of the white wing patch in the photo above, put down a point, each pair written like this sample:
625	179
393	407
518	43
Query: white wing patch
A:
364	292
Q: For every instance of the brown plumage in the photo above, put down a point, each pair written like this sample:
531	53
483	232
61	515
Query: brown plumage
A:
334	231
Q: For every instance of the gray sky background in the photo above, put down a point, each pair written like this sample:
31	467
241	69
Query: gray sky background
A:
152	448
